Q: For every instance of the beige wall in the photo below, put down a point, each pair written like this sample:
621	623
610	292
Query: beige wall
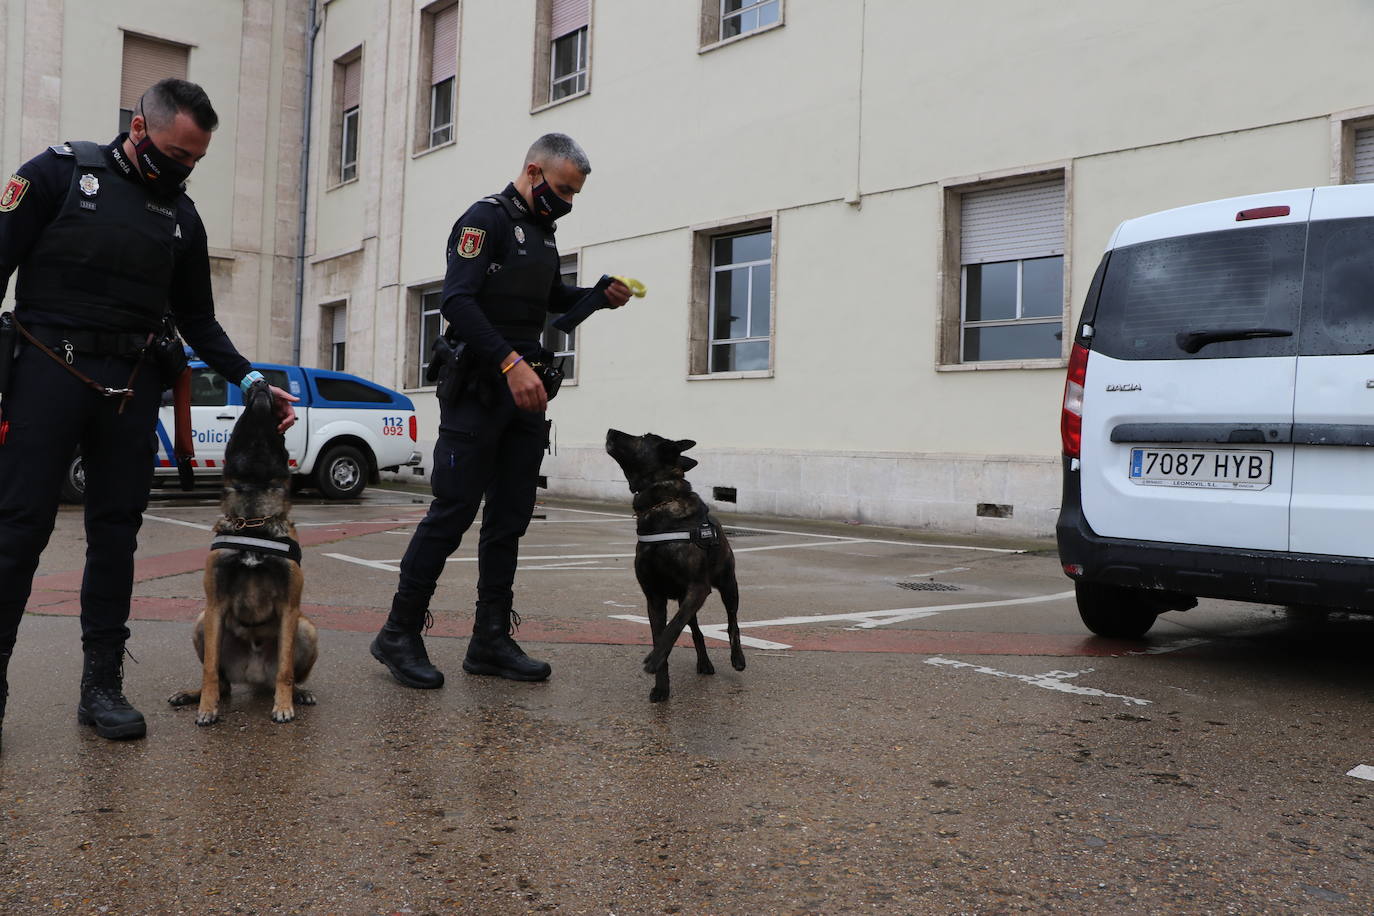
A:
845	124
60	65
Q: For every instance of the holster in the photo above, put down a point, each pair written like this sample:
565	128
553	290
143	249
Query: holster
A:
549	368
7	346
169	354
450	366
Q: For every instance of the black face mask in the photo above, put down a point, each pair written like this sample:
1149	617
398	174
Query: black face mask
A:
547	204
163	173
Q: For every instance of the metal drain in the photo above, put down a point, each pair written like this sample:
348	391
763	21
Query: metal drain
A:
742	533
928	587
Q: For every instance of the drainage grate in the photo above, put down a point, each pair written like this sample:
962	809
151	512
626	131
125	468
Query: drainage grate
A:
928	587
733	533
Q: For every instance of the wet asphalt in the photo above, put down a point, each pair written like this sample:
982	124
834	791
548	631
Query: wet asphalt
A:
923	727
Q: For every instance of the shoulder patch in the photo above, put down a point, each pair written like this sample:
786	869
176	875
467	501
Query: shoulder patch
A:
62	149
13	192
470	240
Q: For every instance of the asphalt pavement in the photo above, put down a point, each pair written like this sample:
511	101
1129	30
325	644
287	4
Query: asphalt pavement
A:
924	726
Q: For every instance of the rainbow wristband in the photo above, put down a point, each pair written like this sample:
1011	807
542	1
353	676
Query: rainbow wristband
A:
511	365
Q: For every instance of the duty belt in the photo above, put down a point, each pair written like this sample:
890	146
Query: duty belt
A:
66	362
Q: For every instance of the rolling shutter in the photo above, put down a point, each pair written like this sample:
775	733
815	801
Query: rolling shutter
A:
147	60
352	83
569	16
1364	154
445	45
1008	224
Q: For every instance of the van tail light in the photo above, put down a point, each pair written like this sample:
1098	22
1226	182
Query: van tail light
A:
414	429
1262	213
1071	420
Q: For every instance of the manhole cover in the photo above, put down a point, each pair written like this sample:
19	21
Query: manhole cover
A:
928	587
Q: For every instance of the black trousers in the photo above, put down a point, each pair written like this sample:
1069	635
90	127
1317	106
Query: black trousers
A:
49	413
490	451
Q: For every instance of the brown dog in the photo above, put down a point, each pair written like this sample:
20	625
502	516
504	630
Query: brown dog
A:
681	551
252	629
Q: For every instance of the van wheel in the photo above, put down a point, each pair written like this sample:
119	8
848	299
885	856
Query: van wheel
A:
1115	611
342	473
74	481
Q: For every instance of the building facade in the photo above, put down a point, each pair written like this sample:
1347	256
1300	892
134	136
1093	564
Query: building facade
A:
74	69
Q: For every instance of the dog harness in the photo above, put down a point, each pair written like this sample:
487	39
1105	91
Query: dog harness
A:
700	531
271	546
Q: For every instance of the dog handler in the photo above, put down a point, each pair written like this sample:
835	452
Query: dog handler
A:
106	243
502	281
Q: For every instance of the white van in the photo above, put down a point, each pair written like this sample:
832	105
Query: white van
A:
1218	422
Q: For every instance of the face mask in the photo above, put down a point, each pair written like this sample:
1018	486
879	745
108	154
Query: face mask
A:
547	204
161	171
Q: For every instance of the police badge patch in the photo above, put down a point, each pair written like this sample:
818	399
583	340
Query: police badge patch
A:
89	184
520	235
470	241
13	193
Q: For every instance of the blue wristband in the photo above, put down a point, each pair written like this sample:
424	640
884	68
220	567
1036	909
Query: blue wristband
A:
247	381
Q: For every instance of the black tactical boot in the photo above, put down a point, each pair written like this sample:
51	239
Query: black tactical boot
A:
102	698
492	651
4	689
401	648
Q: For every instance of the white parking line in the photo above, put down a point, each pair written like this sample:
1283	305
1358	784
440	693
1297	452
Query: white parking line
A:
1363	771
177	521
714	631
1050	680
867	620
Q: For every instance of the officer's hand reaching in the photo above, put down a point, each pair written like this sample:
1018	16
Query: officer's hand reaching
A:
525	385
285	411
617	294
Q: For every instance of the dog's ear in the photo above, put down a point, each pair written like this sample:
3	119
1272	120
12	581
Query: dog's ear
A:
683	445
686	463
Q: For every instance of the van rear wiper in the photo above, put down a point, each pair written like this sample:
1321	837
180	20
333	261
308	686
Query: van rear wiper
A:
1193	341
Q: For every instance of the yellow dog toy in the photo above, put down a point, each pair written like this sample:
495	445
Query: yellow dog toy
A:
637	289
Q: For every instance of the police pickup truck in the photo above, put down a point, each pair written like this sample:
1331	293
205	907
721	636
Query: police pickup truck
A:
347	430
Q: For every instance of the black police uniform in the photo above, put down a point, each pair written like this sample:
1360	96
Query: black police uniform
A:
100	259
502	280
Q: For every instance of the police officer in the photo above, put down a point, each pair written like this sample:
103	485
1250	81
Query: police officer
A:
105	242
502	280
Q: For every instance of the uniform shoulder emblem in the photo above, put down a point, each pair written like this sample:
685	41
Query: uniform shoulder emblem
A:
470	240
63	149
13	192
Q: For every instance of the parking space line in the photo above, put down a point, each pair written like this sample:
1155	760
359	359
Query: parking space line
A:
1050	680
177	521
867	620
1363	771
714	631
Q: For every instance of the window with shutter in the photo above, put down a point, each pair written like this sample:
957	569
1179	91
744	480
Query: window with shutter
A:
350	77
443	75
146	60
1364	154
569	28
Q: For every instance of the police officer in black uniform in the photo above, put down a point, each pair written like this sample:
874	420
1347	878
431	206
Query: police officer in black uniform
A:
502	280
106	243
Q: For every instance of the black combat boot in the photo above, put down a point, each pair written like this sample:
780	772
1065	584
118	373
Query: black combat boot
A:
102	698
4	689
401	648
492	651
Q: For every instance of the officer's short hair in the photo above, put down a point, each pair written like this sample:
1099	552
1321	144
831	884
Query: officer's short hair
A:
160	104
559	146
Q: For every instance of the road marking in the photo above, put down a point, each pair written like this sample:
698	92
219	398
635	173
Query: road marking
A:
870	619
373	564
1050	680
177	521
1363	771
714	631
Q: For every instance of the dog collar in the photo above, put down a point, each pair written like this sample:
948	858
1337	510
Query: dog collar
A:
278	547
704	532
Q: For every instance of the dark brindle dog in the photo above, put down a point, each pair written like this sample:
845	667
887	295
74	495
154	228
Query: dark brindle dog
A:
682	551
252	629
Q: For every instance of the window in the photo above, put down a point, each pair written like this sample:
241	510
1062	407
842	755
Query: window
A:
740	16
440	31
348	81
208	388
347	390
1010	273
562	37
339	338
430	325
564	343
569	65
722	20
740	306
146	60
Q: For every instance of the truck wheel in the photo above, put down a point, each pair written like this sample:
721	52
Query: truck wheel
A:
342	472
74	481
1115	611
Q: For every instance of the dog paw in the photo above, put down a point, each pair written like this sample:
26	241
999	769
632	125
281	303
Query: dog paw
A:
184	698
658	694
283	714
704	666
207	717
652	662
737	661
303	697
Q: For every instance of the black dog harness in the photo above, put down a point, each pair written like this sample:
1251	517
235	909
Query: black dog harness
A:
699	531
269	546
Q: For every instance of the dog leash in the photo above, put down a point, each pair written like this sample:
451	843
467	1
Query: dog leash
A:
65	362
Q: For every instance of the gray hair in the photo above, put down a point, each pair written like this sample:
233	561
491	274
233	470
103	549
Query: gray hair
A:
559	146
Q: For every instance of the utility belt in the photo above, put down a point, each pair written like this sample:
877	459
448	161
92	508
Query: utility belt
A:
163	347
119	344
459	373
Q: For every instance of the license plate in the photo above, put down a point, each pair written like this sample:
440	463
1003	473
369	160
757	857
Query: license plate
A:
1203	468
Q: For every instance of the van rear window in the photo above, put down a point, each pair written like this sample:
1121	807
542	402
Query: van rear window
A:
1338	303
1215	281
